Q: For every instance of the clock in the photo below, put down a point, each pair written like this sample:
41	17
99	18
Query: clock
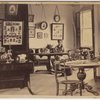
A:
56	18
43	25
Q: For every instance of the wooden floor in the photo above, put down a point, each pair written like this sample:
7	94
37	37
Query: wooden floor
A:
43	85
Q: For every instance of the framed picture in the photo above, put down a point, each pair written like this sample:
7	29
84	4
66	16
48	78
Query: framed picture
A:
12	9
12	32
57	31
39	35
31	33
31	18
31	29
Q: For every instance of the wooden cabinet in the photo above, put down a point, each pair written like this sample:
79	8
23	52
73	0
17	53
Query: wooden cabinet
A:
15	75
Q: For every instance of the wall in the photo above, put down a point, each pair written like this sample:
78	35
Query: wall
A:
2	11
97	32
22	15
2	17
98	23
66	13
96	29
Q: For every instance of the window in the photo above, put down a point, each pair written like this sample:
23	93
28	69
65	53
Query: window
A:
86	34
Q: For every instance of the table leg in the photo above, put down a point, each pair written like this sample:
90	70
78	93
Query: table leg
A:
49	65
81	76
90	89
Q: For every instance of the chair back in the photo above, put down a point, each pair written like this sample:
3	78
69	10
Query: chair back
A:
61	68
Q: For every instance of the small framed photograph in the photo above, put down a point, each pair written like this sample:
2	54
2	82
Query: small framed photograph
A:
39	35
57	31
32	33
31	18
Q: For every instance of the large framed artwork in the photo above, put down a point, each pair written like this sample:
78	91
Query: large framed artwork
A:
57	31
12	32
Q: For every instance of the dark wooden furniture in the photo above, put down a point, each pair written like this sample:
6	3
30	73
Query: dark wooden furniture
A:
49	55
15	75
81	75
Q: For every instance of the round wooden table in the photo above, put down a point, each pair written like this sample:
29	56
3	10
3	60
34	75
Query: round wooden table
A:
81	75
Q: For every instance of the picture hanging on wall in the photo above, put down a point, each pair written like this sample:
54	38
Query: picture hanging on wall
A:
12	9
32	33
39	35
31	30
31	18
12	32
57	31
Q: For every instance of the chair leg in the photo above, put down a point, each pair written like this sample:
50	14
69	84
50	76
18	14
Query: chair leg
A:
71	93
57	89
65	91
66	86
94	71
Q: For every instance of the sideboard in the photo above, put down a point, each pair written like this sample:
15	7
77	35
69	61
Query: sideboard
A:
15	75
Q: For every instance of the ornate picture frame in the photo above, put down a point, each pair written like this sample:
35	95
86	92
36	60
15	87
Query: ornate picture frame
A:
39	35
57	31
12	32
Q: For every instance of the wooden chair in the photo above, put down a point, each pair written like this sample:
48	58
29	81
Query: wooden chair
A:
59	69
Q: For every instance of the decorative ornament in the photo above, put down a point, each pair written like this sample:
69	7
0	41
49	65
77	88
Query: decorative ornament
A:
43	24
56	15
13	9
56	18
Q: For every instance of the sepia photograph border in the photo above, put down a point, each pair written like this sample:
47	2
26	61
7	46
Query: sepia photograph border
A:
49	2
